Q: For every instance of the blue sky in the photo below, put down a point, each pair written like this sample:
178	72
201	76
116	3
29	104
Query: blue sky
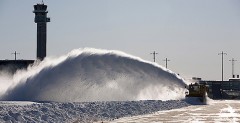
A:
190	33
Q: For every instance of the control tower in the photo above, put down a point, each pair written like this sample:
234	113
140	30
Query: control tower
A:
41	19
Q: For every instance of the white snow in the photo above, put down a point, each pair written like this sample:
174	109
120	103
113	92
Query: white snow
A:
219	111
81	111
16	103
92	75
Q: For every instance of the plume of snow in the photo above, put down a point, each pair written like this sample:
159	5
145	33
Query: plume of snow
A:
94	75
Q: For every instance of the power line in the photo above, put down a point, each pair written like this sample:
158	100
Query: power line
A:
233	60
15	55
222	53
166	60
154	56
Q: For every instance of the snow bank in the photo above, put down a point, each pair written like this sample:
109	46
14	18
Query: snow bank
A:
81	111
94	75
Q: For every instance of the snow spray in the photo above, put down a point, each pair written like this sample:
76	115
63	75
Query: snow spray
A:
93	75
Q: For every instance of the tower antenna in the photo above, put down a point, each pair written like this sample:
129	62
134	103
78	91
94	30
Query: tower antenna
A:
166	60
154	56
42	2
15	55
222	53
233	60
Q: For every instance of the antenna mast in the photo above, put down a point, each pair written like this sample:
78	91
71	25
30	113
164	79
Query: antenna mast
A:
222	53
166	60
15	55
154	55
233	60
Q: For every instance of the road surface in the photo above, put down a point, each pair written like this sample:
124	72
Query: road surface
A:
217	111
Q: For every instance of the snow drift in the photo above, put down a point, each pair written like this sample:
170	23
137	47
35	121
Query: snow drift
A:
80	112
94	75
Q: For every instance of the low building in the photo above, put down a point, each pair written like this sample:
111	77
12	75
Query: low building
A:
13	65
223	89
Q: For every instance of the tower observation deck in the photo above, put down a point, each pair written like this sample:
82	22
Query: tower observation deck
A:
41	19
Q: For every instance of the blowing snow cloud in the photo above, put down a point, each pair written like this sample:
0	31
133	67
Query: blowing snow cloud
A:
94	75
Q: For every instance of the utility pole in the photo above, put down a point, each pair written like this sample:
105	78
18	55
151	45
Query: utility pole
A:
166	60
233	60
222	53
154	56
15	54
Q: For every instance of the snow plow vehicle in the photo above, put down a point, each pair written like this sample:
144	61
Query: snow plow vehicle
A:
198	91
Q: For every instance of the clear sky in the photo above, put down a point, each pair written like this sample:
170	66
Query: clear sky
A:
190	33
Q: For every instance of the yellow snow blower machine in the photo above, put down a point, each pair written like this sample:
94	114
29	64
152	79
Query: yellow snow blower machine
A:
198	91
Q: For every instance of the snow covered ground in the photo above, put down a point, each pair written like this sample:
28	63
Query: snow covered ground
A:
81	111
227	111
